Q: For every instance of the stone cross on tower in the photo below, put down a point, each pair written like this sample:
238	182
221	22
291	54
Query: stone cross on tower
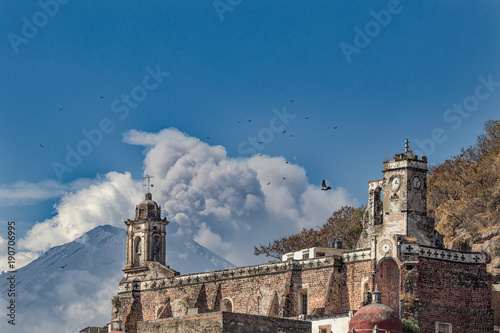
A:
149	185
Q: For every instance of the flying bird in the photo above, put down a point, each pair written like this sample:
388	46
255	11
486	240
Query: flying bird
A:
64	266
42	145
291	135
291	100
286	162
208	137
307	118
249	120
60	108
335	127
284	132
102	96
324	187
269	183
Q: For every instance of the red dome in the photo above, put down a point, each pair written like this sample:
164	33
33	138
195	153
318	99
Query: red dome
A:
375	314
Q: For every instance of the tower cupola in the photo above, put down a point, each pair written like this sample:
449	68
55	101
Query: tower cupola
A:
146	235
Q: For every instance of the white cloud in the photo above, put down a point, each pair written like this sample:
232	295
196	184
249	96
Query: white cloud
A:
223	203
226	203
109	200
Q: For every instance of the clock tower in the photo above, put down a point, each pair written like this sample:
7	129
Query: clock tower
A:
405	197
397	204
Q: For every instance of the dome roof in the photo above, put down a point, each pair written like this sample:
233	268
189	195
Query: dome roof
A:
375	314
147	209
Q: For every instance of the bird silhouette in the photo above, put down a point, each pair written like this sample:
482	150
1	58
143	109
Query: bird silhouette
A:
291	135
324	187
284	132
102	96
60	109
306	118
269	183
249	120
291	100
335	127
208	137
42	146
64	266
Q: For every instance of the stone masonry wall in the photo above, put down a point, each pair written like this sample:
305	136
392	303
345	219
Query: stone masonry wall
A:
269	289
455	293
358	273
243	323
208	323
224	322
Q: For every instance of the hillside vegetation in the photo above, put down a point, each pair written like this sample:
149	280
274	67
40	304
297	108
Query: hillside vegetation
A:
464	197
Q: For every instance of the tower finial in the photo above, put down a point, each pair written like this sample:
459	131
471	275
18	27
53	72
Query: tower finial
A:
407	147
149	185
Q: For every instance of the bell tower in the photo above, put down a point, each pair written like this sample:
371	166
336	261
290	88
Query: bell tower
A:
146	234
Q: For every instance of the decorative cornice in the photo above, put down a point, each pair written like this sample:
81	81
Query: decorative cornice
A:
443	254
359	255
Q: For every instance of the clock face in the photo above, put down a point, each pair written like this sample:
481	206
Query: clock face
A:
385	246
395	183
417	182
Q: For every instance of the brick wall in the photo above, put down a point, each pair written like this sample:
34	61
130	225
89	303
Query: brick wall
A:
258	290
495	305
429	289
358	273
454	293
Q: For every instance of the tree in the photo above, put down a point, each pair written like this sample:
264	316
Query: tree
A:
345	225
409	326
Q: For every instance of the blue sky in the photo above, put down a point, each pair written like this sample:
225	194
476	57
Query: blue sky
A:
219	64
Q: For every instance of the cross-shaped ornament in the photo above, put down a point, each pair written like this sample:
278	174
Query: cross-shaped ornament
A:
149	185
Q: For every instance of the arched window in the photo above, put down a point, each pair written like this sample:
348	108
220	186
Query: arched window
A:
137	250
226	305
156	247
367	295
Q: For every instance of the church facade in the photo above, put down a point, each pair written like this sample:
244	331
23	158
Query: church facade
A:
398	250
